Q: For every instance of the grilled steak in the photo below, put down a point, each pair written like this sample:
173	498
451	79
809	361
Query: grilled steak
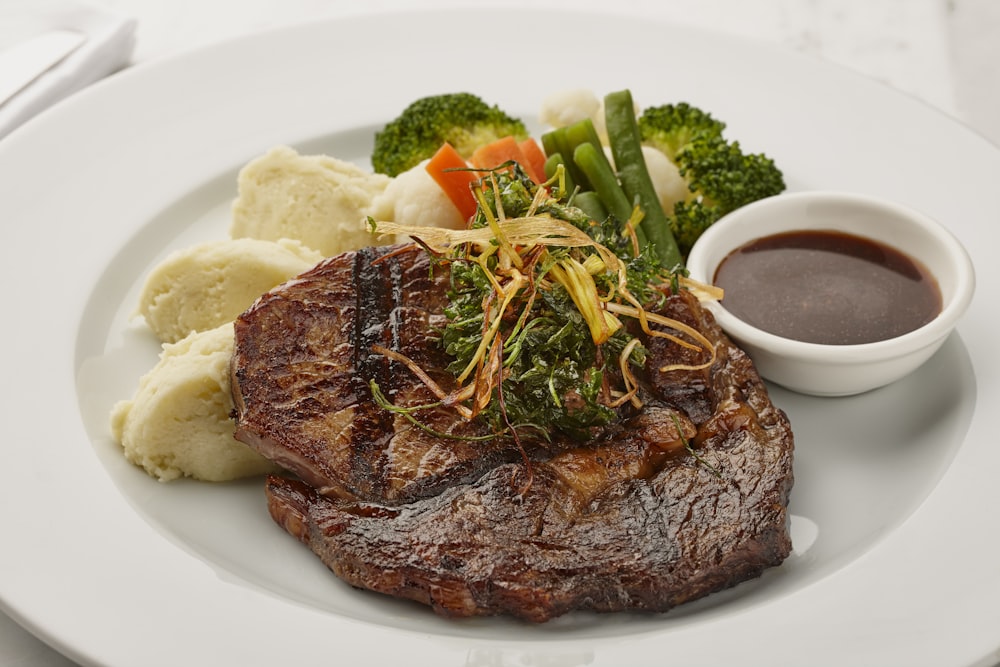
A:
302	371
681	498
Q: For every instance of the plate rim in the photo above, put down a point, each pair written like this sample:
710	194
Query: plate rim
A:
14	598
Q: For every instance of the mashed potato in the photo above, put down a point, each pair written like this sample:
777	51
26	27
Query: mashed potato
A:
201	287
320	200
290	213
178	423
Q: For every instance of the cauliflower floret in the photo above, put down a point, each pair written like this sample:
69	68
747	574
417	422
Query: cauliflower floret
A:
570	106
566	107
413	198
670	186
668	183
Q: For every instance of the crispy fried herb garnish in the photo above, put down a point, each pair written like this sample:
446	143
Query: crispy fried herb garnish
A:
536	297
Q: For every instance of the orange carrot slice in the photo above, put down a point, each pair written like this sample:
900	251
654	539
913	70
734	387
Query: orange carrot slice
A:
498	152
450	171
535	157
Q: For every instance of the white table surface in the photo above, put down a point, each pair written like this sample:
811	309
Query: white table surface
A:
943	52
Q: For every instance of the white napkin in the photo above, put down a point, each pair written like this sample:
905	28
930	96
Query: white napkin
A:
110	39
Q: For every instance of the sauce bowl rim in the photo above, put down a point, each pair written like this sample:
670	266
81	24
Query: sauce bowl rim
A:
715	244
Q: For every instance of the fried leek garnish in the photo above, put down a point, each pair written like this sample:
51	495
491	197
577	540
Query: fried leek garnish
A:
538	302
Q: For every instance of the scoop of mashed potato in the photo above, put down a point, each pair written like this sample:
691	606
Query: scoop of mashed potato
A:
414	198
178	424
206	285
319	200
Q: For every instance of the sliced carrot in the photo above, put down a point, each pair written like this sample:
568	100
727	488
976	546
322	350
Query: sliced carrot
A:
498	152
535	158
495	153
450	171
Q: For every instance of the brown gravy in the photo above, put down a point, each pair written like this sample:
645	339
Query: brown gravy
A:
827	287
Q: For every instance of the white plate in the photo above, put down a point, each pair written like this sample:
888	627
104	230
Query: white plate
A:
894	525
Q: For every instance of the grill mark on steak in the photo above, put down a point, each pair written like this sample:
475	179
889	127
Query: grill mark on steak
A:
301	370
378	296
627	520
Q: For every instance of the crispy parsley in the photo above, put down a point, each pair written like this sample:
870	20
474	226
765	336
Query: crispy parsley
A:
538	290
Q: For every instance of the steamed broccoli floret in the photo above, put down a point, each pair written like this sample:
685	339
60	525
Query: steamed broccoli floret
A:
461	119
719	176
671	127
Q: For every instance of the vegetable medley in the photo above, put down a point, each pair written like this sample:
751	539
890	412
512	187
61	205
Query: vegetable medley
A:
567	238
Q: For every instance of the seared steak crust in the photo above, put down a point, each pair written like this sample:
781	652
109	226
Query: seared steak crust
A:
639	517
302	370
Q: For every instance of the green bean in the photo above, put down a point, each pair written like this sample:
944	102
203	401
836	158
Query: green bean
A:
626	148
552	163
590	203
556	141
594	163
581	132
